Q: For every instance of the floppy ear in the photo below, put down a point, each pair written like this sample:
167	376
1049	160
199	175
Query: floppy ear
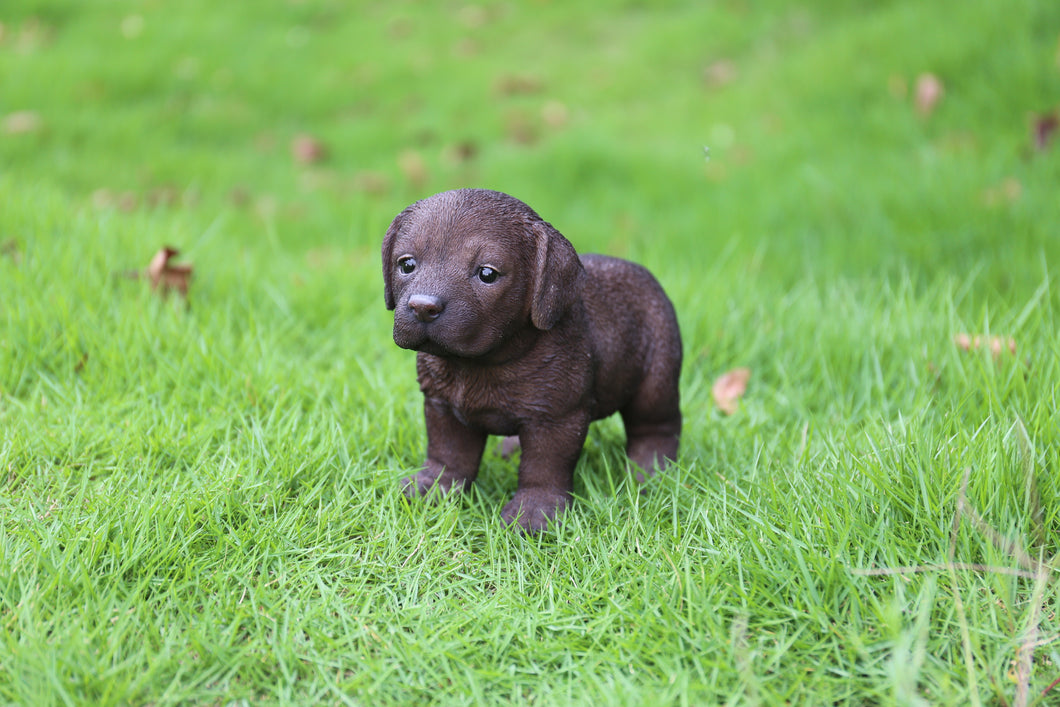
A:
557	276
388	254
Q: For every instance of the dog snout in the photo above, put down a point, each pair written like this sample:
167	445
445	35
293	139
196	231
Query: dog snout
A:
427	308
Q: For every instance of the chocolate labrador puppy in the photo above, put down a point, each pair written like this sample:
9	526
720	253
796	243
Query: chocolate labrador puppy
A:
517	335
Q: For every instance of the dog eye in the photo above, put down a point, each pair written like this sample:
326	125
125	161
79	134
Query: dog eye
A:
406	264
487	274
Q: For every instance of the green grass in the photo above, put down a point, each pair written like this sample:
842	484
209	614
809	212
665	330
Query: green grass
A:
201	505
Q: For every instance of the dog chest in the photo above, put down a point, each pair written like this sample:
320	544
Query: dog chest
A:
482	399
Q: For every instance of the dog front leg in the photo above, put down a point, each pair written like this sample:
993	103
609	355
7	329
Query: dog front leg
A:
454	452
546	472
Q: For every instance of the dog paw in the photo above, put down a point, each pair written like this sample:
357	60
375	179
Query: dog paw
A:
531	510
430	484
651	454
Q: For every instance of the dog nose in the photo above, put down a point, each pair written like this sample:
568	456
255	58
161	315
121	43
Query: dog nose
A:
426	307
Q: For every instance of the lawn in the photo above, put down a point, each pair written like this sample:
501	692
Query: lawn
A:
199	501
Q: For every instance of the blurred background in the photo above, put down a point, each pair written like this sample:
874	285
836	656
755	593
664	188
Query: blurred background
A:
815	139
202	500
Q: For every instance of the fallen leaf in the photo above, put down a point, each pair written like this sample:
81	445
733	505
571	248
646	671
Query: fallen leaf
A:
32	35
266	206
400	27
517	85
460	152
996	344
1007	192
729	388
306	149
1044	128
555	114
371	182
473	16
413	167
466	47
318	179
10	249
721	73
928	93
741	155
127	201
109	199
164	196
21	122
166	276
520	128
239	196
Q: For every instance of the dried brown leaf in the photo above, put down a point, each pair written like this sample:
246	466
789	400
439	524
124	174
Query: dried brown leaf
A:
720	73
517	85
371	182
21	122
128	201
10	249
555	114
928	93
33	34
166	196
414	167
729	388
1044	127
520	127
166	276
400	27
997	344
473	16
1008	191
108	199
466	47
306	149
460	152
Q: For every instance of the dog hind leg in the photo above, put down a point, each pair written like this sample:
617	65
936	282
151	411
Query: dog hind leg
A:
653	428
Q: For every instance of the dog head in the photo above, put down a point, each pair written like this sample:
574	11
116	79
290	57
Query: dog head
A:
466	270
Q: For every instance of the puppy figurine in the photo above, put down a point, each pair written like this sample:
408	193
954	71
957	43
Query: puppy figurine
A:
517	335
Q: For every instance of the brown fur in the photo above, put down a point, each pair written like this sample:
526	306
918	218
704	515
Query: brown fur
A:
553	343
